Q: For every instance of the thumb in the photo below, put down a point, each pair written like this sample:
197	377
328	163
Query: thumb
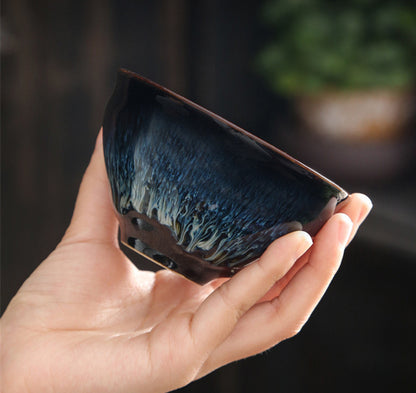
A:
94	217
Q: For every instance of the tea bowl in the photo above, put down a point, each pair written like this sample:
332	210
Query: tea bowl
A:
196	194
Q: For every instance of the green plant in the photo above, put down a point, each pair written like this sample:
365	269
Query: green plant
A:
338	45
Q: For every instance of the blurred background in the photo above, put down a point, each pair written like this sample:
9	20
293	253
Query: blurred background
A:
331	83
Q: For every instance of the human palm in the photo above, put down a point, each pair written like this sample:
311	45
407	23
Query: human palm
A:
88	320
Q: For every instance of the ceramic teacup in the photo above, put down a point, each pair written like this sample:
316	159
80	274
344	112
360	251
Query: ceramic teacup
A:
194	192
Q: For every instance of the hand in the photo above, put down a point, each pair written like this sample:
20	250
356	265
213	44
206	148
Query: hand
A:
87	320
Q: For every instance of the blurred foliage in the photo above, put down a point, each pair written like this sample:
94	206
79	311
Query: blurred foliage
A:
321	45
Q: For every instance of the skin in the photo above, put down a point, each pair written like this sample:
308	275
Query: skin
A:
87	320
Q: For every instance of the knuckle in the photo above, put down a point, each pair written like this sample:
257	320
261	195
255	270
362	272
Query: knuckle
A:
266	270
262	267
237	308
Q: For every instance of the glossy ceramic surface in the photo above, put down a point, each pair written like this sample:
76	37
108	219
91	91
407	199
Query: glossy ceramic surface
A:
197	194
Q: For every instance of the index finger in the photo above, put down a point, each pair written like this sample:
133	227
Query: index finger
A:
219	313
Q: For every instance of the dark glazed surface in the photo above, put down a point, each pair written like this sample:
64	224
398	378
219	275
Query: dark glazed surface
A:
197	194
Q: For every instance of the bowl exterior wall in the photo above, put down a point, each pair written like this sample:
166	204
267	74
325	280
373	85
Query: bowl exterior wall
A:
196	194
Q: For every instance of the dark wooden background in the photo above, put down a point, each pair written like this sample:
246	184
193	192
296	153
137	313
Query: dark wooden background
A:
59	60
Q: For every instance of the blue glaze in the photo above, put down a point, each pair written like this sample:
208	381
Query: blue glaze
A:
223	194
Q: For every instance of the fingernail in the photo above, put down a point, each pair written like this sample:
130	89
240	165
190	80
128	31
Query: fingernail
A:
344	231
304	245
364	212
